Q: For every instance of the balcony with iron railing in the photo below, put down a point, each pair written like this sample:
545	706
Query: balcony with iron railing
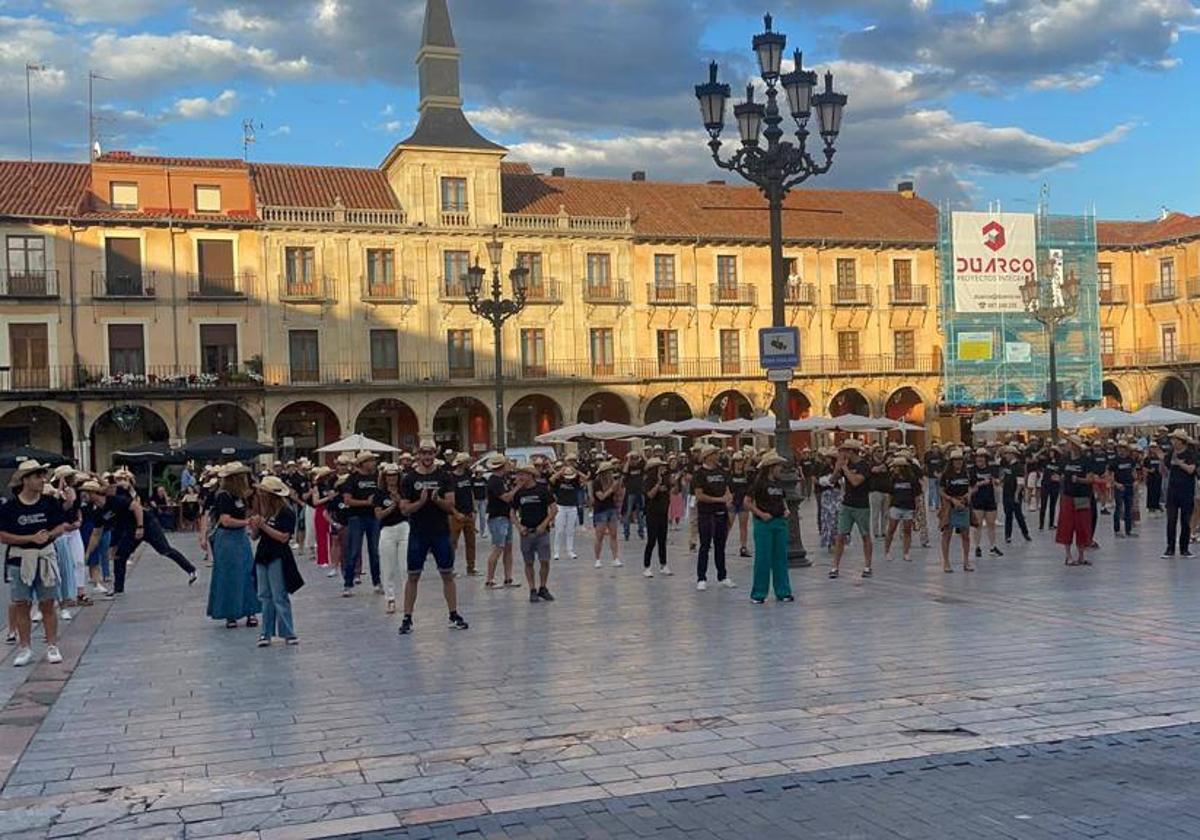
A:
543	290
313	289
389	290
218	287
1113	295
131	286
605	292
106	379
843	295
733	294
908	295
673	294
1161	292
452	290
800	294
26	284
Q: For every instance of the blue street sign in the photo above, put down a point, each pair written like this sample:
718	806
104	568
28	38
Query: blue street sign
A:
779	347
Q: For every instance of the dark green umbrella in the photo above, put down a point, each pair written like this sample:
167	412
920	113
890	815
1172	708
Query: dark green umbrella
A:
12	458
224	448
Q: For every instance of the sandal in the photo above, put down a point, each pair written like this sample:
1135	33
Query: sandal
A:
489	584
251	622
948	570
229	625
968	568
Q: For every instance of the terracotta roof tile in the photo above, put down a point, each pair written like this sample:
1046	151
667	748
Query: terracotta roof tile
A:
716	211
1125	234
289	185
515	168
42	188
157	160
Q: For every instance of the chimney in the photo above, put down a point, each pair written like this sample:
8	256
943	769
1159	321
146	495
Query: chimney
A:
716	183
558	172
906	189
639	175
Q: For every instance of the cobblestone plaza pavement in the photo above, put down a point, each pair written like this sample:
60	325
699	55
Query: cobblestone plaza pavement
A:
1024	700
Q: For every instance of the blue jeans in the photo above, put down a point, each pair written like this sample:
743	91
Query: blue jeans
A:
1123	509
358	528
276	605
635	503
933	492
99	556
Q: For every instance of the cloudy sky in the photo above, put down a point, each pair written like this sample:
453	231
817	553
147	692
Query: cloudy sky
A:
978	100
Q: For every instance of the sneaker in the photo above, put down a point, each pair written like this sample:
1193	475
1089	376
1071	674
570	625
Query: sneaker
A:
743	552
97	586
701	585
867	573
378	590
110	593
406	625
555	558
996	551
64	614
647	572
758	601
533	596
264	641
833	574
978	551
788	599
331	573
35	614
291	641
665	570
1185	554
457	622
10	639
617	563
599	564
53	654
544	594
728	583
24	657
907	559
574	556
347	592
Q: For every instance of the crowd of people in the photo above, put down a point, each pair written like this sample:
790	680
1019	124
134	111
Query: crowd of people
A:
70	534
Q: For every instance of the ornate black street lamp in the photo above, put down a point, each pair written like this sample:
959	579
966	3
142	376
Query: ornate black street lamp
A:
775	169
1051	302
495	309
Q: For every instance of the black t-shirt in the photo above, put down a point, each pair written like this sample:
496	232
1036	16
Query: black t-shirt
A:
532	503
1074	471
227	503
635	477
857	497
299	484
1011	474
608	503
115	516
769	497
981	480
479	488
712	481
464	494
360	488
430	520
661	503
22	520
878	480
268	548
384	501
566	491
1152	464
934	464
956	484
1051	471
739	485
903	490
1180	484
1122	468
497	485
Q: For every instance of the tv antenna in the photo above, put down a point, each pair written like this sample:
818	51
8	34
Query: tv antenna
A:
93	134
248	137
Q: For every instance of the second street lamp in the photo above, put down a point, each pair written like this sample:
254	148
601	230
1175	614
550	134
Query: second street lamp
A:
1051	303
496	309
776	169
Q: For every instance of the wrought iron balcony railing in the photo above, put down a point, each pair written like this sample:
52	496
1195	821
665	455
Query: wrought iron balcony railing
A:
125	286
29	284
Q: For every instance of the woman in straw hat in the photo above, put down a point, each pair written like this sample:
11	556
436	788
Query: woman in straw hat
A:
604	511
393	532
904	491
829	495
985	476
658	503
767	501
954	513
1075	514
231	593
321	493
274	523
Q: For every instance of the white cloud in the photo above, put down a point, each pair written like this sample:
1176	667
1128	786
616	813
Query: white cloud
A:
105	11
1066	81
162	60
281	131
235	21
199	108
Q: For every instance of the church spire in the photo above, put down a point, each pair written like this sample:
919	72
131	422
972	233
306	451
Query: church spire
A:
442	121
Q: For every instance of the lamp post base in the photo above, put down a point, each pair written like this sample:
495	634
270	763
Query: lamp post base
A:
797	555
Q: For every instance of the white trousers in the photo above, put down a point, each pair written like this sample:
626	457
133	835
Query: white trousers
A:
564	530
393	557
310	529
76	548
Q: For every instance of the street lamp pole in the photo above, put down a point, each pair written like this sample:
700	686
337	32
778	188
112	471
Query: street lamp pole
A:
496	309
1050	304
776	169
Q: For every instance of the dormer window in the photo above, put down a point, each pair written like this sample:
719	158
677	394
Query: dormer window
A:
454	195
208	199
123	195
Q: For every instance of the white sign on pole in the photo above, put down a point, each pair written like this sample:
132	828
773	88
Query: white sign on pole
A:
1018	352
994	254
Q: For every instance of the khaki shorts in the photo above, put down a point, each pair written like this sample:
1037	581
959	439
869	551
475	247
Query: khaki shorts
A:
848	517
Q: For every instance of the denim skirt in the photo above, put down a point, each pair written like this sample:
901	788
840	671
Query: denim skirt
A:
231	590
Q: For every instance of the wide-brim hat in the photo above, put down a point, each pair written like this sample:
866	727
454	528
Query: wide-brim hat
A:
496	462
321	472
956	454
981	452
92	486
827	452
851	443
341	479
461	458
211	483
529	470
62	470
606	466
233	468
898	462
427	445
1180	434
708	449
365	456
345	458
26	468
655	462
770	459
274	485
737	456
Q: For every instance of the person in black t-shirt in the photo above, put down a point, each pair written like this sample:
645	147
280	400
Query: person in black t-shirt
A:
935	462
904	494
739	486
275	566
1180	466
30	522
428	502
1012	485
766	499
955	512
1122	471
853	472
462	523
658	504
604	510
634	503
358	494
1050	461
393	532
231	591
565	483
533	512
1152	472
1075	514
500	494
479	495
985	477
710	486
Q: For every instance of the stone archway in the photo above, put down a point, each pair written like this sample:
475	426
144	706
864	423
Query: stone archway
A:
34	425
849	401
1111	395
603	405
1173	393
389	421
531	416
303	427
221	419
123	426
731	405
907	405
463	424
668	406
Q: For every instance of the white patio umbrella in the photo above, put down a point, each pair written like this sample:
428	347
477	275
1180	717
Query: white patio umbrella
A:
696	425
561	435
604	430
659	428
1106	418
1156	415
355	443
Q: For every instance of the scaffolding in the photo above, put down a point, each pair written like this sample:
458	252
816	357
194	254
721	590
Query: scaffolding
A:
1017	374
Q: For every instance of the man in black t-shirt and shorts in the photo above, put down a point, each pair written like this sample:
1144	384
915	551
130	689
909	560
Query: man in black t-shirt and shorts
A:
853	471
428	502
500	494
532	513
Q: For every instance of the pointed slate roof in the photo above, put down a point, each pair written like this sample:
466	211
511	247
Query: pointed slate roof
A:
437	31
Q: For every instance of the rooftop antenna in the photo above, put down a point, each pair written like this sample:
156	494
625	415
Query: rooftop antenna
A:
248	138
93	135
30	69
